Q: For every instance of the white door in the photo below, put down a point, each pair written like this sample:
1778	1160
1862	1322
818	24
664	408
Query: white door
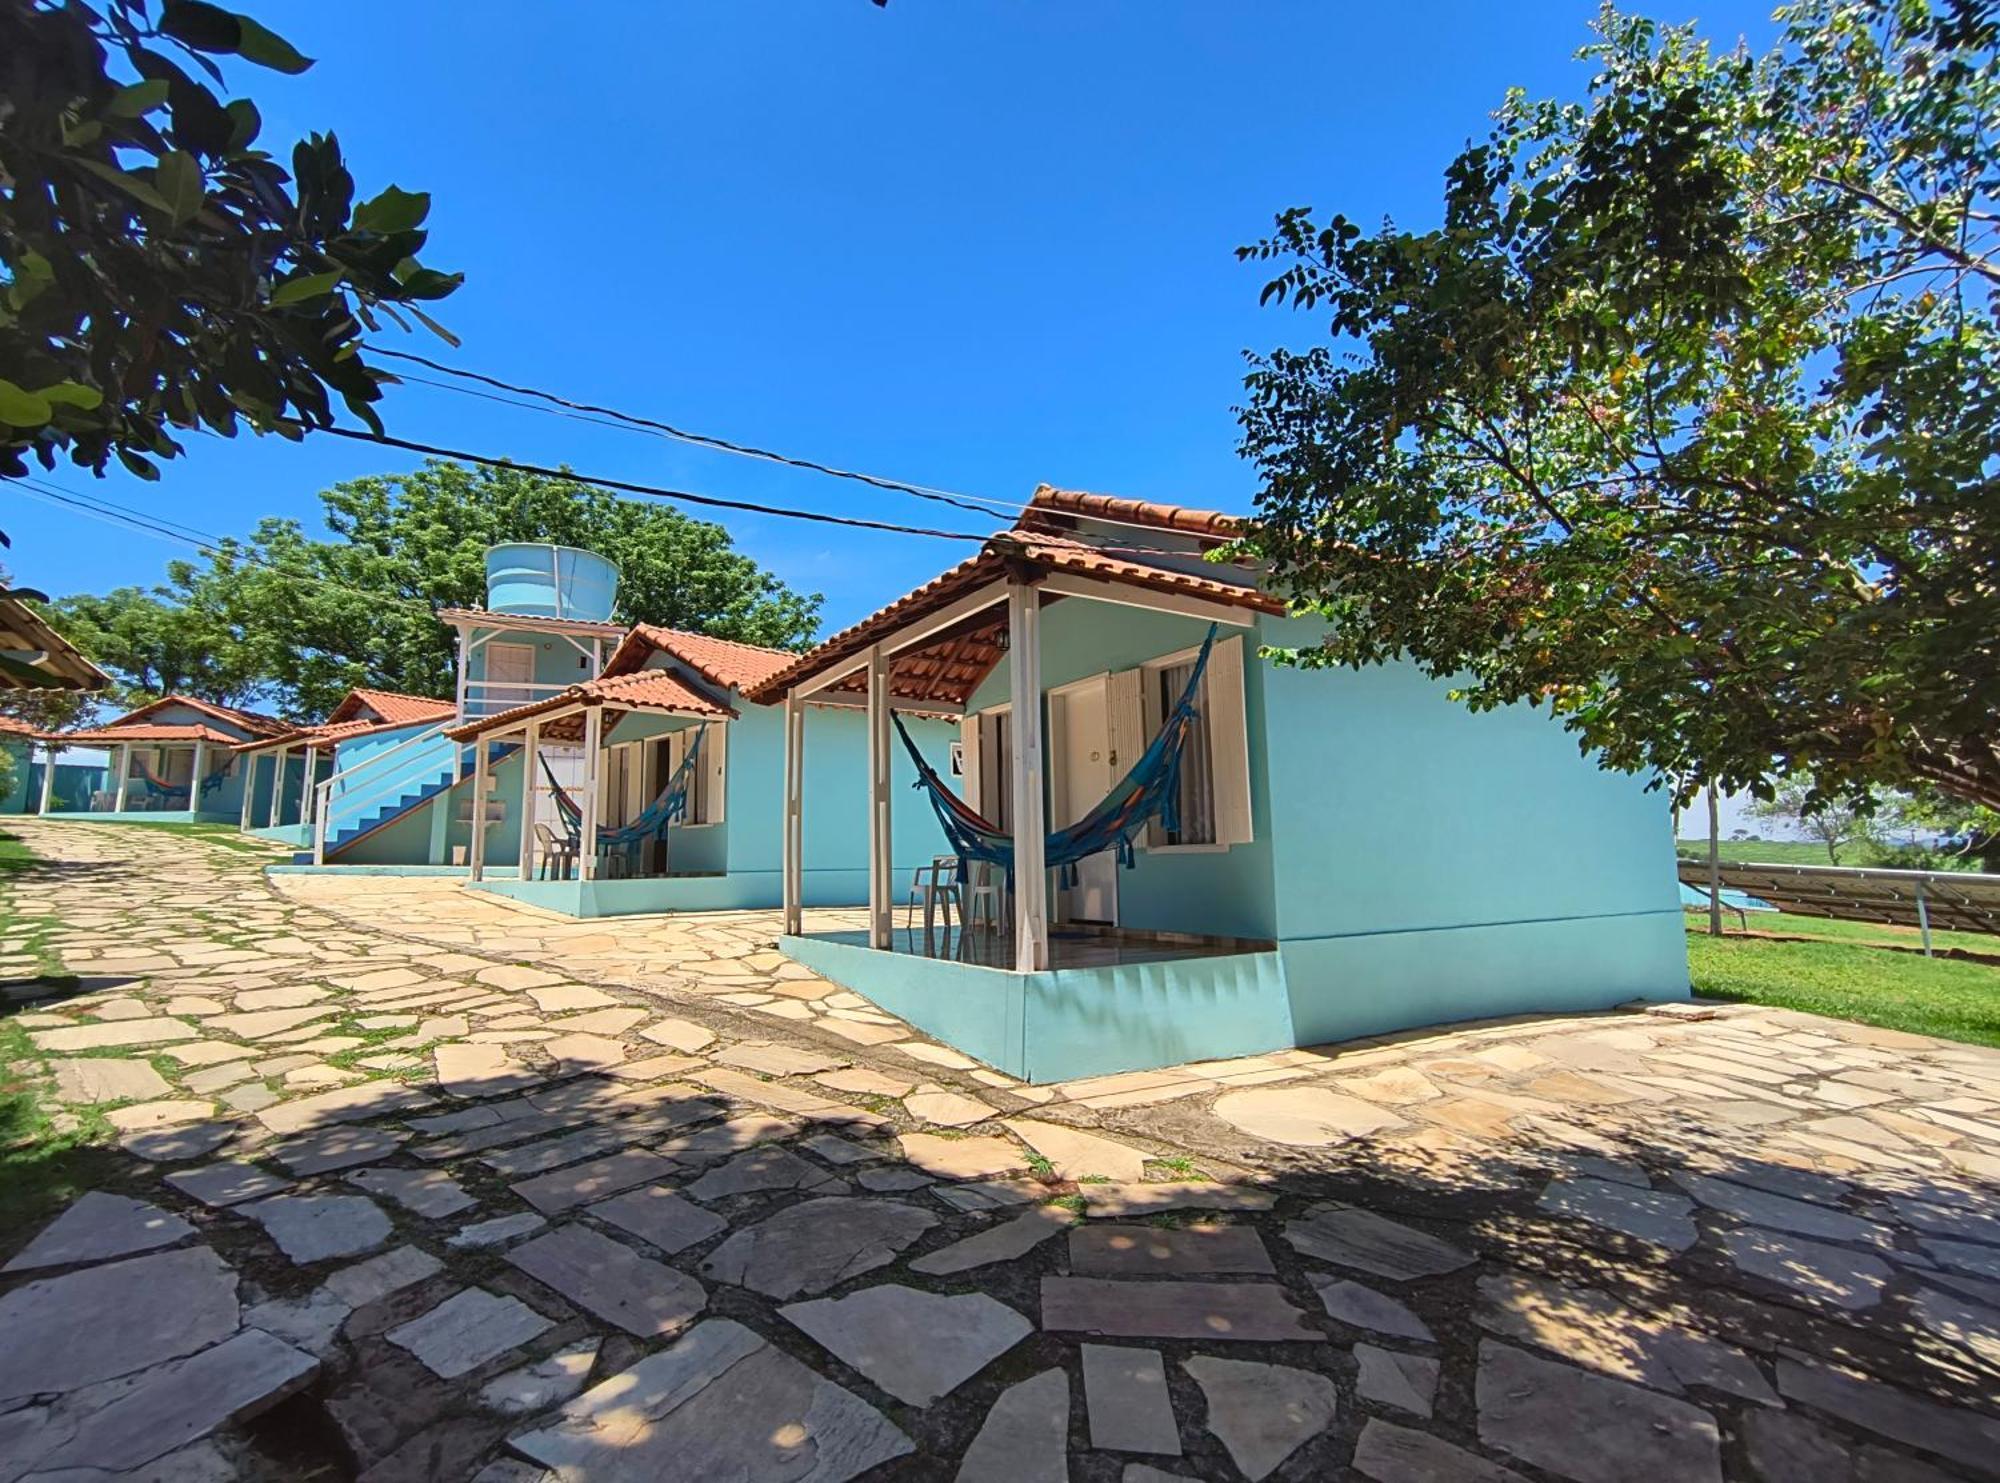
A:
1083	752
510	670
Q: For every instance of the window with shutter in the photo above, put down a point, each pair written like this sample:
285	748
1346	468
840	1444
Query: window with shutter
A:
1214	802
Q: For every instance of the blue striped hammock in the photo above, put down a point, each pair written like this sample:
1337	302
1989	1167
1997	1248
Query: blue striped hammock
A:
669	808
1150	791
158	787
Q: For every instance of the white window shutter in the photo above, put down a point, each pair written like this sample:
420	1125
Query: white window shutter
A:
1125	712
1229	742
968	745
715	759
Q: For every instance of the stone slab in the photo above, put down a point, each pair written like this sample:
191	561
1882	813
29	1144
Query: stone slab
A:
1004	1242
757	1170
1118	1201
1850	1280
1966	1437
1235	1312
720	1402
1389	1453
915	1345
1152	1251
962	1158
1373	1243
1588	1427
1075	1154
172	1145
496	1232
1262	1413
1389	1377
430	1193
351	1104
337	1148
608	1278
817	1244
96	1228
1303	1117
581	1184
660	1218
1126	1399
185	1401
225	1184
159	1030
376	1278
75	1330
1025	1437
1655	1216
317	1228
1364	1308
107	1079
537	1386
467	1330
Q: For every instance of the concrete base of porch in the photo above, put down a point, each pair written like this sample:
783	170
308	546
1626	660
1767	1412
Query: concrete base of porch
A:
745	890
1152	1010
148	816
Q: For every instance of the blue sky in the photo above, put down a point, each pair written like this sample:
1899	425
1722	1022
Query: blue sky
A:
968	244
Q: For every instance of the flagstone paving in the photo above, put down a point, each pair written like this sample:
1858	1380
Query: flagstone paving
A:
417	1184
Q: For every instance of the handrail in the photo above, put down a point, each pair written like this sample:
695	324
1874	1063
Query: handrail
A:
352	801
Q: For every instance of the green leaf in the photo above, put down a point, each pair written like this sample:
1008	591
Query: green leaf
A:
429	283
395	210
243	114
137	466
298	290
178	180
73	394
435	328
268	49
202	26
132	185
139	98
19	408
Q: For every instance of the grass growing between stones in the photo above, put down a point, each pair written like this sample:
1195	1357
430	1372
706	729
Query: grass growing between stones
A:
1951	999
226	835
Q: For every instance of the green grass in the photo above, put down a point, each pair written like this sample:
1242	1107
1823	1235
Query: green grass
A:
1898	991
48	1155
1827	929
1780	852
226	835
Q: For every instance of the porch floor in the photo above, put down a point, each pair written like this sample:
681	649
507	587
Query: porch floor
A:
1069	947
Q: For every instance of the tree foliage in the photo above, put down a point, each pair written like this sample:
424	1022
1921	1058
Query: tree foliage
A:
296	621
1683	420
162	271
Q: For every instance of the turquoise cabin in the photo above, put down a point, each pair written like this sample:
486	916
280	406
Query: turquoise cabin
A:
174	758
34	753
567	727
1353	852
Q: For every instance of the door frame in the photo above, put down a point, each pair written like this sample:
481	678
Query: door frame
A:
1059	780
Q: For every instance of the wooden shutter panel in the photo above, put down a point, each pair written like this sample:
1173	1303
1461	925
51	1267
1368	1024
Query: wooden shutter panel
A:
1229	742
1125	713
968	745
715	760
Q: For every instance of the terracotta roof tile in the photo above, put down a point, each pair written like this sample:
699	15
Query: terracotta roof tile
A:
393	706
151	731
15	726
1048	500
253	722
733	665
646	689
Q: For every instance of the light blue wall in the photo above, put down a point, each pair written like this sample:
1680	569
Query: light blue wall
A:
557	660
76	782
373	774
25	792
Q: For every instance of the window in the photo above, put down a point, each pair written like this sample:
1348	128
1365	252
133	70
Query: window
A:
1215	765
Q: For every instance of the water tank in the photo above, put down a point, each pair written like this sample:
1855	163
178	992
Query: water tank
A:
540	580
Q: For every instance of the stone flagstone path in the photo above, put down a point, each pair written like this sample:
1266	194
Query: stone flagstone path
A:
416	1184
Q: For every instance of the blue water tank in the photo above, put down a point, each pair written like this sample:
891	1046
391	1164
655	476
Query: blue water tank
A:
540	580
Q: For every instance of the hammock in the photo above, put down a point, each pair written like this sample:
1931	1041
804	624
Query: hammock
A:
158	787
1150	790
653	821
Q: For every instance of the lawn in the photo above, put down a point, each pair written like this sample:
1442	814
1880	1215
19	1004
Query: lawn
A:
1899	991
1828	929
226	835
48	1154
1780	852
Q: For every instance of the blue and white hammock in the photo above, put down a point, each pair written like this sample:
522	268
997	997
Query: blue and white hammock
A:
160	789
1150	791
667	809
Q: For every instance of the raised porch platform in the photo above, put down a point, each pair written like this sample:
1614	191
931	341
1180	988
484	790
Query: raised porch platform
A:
1107	1002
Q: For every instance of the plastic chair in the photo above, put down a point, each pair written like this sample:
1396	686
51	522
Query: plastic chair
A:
559	852
982	900
929	885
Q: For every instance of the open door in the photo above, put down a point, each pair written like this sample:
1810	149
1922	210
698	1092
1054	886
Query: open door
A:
1080	743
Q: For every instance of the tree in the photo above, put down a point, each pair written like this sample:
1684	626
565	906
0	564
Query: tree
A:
299	621
1681	423
171	640
1835	823
162	271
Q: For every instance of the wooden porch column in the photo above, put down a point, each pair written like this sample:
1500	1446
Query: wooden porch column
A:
311	820
529	752
1031	881
593	739
194	776
278	789
881	859
124	776
51	750
479	744
795	765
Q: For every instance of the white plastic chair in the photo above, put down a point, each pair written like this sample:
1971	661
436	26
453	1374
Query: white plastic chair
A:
931	885
982	903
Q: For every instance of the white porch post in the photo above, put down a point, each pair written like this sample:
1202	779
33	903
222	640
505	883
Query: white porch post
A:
479	748
593	771
463	655
124	776
795	764
309	803
528	764
52	750
195	775
249	789
278	789
1031	882
881	860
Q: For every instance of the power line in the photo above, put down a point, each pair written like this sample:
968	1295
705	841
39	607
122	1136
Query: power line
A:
656	491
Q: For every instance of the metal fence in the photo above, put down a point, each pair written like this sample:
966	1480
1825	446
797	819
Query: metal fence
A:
1957	901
